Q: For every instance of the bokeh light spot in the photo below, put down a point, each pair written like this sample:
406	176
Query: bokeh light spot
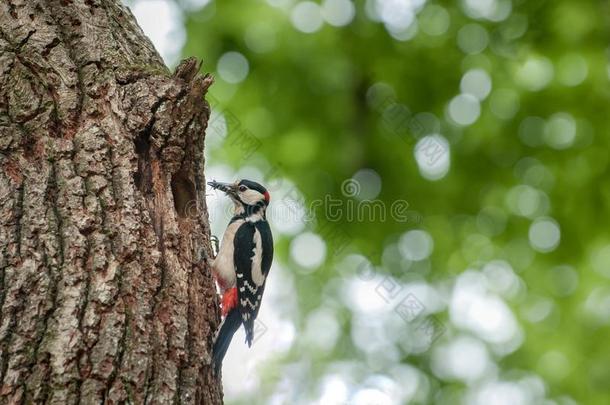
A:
472	39
416	245
464	109
535	73
499	393
433	157
322	319
560	131
368	182
434	20
338	12
600	260
554	364
474	308
544	234
501	278
504	103
476	82
306	17
232	67
465	359
526	201
493	10
308	250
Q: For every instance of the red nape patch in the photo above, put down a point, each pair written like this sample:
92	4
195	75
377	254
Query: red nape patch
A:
229	300
267	196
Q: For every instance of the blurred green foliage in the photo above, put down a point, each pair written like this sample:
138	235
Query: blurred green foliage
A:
538	150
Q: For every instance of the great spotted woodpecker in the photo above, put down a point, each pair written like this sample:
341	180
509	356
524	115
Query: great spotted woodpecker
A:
242	263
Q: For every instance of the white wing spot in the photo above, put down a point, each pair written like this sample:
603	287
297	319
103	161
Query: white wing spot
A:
252	289
247	301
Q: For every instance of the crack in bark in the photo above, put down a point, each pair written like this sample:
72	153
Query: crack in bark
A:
18	218
2	289
52	191
189	346
52	298
35	71
155	303
64	36
15	47
6	341
118	358
81	314
104	209
17	50
48	48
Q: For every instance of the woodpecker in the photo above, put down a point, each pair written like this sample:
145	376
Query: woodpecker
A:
242	263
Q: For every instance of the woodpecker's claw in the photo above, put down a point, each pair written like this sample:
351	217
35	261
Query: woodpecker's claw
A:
215	244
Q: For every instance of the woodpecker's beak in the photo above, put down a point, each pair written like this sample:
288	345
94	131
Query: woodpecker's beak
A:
229	188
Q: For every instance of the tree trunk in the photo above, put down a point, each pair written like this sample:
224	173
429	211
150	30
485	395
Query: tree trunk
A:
105	294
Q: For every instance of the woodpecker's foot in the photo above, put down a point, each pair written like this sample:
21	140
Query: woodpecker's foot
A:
229	300
215	244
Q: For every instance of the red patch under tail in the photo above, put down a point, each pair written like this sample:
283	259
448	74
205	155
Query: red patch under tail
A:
229	300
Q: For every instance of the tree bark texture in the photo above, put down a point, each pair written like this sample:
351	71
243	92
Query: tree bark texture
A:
105	294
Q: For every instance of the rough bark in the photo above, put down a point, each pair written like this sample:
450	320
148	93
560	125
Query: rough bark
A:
105	295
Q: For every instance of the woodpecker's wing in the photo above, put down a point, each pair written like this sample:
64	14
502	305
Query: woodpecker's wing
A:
252	256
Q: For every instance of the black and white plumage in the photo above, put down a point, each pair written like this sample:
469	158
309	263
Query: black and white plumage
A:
242	263
252	264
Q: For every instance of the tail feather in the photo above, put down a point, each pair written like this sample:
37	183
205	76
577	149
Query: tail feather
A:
249	328
225	333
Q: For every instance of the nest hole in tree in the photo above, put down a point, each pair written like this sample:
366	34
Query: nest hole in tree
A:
185	198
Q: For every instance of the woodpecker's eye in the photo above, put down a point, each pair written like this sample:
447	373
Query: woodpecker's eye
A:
243	188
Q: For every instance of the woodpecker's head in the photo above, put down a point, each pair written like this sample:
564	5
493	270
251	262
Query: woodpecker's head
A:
246	194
